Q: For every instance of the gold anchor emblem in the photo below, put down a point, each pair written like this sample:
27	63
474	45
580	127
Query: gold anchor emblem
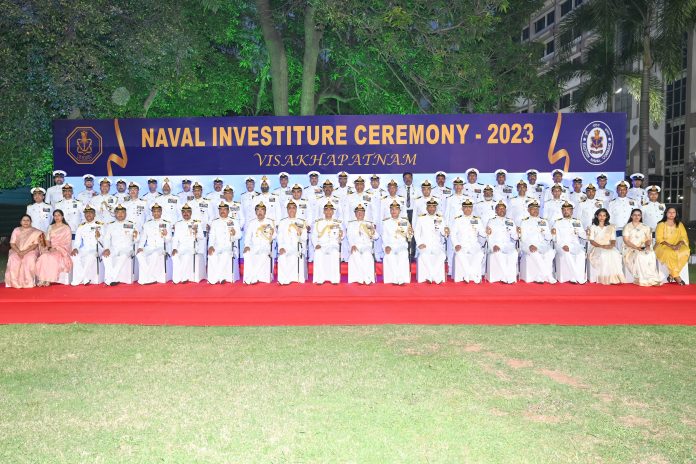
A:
84	144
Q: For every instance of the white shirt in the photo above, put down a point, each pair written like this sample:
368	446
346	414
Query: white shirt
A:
151	235
41	215
73	212
409	193
119	235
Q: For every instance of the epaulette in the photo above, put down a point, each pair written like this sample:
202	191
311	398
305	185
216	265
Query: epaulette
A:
83	223
525	218
352	221
419	197
98	222
386	219
337	220
164	220
457	217
421	215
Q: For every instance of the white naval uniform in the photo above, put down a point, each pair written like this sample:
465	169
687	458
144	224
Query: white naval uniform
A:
548	193
185	197
605	195
258	261
284	194
586	211
155	255
552	209
202	210
352	200
86	197
150	198
311	192
342	192
451	207
273	205
215	197
502	265
223	264
236	213
637	193
396	267
87	267
536	191
104	207
518	208
326	233
620	213
653	211
136	212
442	193
188	265
119	237
72	212
536	266
570	265
121	197
503	192
361	263
171	207
54	194
430	231
485	210
292	264
473	191
247	201
386	202
576	198
41	215
468	261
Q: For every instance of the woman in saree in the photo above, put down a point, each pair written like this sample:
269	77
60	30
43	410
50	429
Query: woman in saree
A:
604	257
672	244
55	252
638	255
24	250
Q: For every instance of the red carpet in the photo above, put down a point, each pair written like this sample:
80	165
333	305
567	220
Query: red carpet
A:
308	304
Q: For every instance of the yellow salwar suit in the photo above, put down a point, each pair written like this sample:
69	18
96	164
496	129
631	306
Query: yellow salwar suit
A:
674	261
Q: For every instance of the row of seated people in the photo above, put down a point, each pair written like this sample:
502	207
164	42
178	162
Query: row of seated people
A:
536	250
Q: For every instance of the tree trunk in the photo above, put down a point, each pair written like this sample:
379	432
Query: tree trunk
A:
276	53
644	109
312	35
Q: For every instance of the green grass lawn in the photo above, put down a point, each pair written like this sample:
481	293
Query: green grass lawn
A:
382	394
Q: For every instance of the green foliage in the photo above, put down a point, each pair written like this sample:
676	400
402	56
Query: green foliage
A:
128	58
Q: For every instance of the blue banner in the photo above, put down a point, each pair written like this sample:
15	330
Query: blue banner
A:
386	144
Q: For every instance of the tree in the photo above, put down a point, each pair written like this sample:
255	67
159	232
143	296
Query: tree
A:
632	39
103	59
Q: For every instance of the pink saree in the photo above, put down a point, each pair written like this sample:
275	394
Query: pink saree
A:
57	260
21	270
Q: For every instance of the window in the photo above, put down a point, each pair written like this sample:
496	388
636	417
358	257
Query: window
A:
550	18
525	33
578	3
673	188
674	144
675	98
564	101
540	25
566	7
550	48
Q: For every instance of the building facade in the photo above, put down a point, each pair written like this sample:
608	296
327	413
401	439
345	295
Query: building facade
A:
672	158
